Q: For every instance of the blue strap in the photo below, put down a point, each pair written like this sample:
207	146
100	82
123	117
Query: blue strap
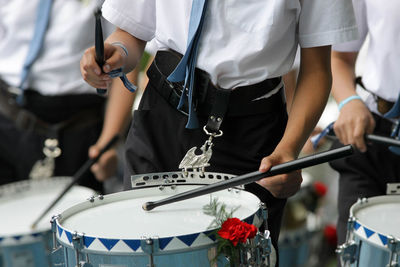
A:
394	112
184	71
119	73
316	138
395	134
42	21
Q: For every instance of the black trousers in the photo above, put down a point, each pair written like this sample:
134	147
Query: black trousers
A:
364	175
20	149
158	140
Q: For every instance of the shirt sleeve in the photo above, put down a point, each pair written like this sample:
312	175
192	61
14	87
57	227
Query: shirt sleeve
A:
361	17
134	16
326	22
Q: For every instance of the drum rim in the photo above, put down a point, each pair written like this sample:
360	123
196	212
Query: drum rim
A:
361	229
64	235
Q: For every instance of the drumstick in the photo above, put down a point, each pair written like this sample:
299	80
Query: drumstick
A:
78	175
382	140
255	176
99	46
379	139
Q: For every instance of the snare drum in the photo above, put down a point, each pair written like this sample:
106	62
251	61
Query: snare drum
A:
20	204
114	230
373	237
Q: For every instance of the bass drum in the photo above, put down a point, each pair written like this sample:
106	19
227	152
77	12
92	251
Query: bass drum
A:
20	205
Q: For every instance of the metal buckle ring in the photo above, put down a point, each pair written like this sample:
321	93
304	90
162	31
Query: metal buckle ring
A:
218	134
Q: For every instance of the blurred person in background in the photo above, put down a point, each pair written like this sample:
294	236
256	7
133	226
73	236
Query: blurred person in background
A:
51	121
368	106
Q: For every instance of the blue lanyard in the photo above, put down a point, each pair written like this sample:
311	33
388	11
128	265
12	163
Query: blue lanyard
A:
184	71
42	21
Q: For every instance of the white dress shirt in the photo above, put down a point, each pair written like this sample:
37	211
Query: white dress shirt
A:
70	32
243	41
380	21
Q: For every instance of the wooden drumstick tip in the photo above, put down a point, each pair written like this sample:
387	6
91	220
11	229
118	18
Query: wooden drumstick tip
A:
33	226
148	206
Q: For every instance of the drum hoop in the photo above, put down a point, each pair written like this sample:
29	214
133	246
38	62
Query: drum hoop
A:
369	233
21	186
102	244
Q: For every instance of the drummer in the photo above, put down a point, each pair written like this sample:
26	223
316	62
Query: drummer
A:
54	102
367	108
243	50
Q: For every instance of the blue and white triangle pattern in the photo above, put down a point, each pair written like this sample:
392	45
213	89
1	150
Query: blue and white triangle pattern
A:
370	235
22	239
133	246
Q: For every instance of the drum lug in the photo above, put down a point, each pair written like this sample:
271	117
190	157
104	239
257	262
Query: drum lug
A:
85	264
264	213
350	228
265	247
150	246
394	248
77	242
348	253
57	256
256	253
57	252
54	230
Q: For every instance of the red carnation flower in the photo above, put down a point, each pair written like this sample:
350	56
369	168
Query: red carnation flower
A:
320	189
330	234
236	231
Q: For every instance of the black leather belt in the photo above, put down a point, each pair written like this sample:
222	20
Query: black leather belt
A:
242	99
25	119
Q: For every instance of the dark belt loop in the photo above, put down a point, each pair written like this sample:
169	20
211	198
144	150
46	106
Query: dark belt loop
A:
218	111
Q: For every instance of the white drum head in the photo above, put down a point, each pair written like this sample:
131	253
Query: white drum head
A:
379	215
22	202
120	216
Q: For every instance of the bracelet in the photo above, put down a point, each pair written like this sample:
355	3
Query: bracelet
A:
122	46
347	100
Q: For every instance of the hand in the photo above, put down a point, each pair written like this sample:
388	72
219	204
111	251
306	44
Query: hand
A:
92	73
355	120
107	164
280	186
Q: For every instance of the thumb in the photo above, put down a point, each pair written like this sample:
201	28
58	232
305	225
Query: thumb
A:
115	59
93	151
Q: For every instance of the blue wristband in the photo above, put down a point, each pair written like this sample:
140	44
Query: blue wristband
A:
347	100
122	46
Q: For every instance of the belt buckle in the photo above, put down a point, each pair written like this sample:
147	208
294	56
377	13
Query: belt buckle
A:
383	106
176	92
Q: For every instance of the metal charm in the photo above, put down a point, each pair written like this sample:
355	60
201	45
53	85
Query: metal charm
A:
192	161
393	189
44	168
